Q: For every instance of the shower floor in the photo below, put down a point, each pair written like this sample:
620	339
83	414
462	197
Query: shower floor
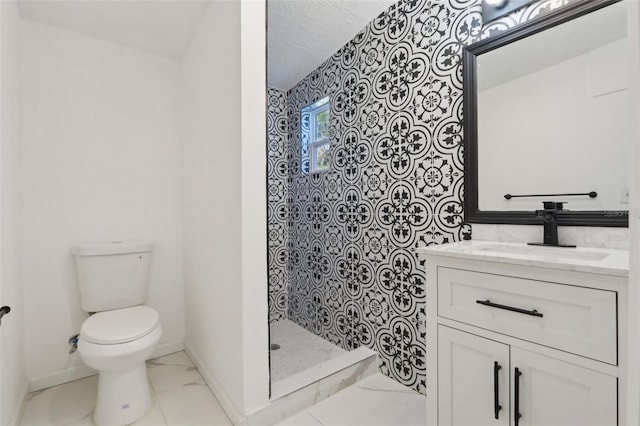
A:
299	350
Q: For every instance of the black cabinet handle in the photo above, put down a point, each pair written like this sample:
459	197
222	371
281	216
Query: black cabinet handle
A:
3	311
516	397
488	302
496	392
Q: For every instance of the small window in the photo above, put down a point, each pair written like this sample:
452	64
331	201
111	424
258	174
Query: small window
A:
316	148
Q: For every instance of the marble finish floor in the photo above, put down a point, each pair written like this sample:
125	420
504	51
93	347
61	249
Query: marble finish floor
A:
180	395
299	349
373	401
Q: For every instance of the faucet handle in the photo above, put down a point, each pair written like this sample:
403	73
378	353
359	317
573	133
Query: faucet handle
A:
549	220
553	205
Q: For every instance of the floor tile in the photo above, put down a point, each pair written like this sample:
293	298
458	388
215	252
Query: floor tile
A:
190	405
171	371
60	405
301	419
154	417
184	399
374	401
181	398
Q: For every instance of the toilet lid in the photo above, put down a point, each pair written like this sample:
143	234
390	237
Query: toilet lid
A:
120	325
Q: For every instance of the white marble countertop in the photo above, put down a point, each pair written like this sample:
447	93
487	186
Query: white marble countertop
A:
580	259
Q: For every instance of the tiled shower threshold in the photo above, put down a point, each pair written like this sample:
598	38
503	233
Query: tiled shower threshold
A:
304	358
335	371
305	388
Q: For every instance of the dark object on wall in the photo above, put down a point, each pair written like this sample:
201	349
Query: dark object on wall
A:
4	310
470	53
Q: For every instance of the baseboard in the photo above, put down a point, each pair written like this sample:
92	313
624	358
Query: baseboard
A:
81	371
167	348
59	377
16	415
236	417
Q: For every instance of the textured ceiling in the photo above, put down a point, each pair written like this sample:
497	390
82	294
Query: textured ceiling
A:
302	34
161	27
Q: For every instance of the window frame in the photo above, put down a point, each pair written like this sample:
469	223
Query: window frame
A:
316	141
314	147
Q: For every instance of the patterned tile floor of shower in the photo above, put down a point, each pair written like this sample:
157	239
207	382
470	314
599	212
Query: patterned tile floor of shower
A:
299	349
180	396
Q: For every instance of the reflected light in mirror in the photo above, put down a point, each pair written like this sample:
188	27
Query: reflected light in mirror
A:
493	9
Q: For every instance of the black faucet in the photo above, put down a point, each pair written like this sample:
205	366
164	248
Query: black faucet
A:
549	216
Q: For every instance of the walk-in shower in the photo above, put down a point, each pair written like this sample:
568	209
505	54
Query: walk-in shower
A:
300	353
342	238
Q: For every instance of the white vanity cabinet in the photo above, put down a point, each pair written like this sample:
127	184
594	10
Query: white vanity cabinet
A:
477	383
527	339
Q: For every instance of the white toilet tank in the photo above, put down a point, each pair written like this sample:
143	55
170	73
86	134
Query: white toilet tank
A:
112	275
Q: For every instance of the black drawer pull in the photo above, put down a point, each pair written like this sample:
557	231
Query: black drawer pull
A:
509	308
496	393
516	397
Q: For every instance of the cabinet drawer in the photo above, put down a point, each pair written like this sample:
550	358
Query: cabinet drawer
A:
573	319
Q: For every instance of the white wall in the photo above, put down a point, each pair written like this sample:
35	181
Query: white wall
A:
224	214
211	194
101	161
13	383
575	137
254	207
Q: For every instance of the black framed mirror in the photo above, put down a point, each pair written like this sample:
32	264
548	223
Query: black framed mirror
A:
547	117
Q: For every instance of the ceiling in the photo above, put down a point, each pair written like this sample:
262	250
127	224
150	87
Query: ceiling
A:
161	27
302	34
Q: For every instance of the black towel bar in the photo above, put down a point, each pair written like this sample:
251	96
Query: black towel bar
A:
592	194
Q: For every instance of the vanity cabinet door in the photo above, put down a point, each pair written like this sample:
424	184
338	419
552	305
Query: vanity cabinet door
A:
473	379
554	392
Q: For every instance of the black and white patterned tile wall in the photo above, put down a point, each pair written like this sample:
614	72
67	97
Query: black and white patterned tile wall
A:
395	184
278	203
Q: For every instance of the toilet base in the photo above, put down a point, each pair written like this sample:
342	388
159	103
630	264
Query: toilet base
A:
122	398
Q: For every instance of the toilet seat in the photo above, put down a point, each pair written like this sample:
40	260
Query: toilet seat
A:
120	325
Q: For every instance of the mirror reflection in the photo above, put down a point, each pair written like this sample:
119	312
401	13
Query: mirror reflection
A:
554	116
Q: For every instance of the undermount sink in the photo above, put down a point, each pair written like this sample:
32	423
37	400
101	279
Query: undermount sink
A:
545	252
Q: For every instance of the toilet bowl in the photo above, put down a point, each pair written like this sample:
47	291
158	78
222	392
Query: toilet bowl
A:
117	343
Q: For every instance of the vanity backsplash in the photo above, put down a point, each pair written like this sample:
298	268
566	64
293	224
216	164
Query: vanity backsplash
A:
581	236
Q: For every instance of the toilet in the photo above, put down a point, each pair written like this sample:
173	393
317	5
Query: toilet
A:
121	333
